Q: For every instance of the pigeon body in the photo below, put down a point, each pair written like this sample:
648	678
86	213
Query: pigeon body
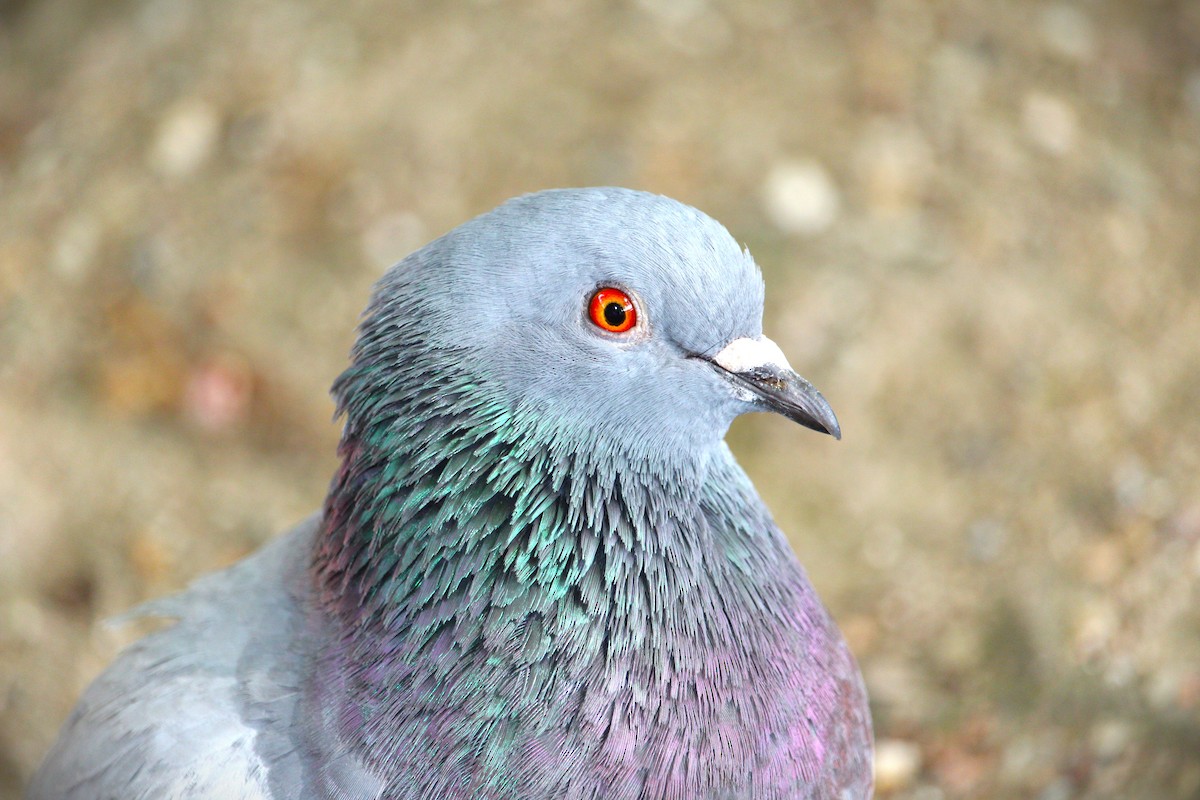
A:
539	572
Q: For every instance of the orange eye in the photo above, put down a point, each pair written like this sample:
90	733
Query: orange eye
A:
612	310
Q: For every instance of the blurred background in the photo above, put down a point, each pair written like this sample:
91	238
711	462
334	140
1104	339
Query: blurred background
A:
980	227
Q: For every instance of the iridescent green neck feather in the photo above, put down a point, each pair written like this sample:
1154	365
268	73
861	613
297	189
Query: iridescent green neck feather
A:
448	498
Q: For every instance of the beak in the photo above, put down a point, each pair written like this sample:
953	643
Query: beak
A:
759	367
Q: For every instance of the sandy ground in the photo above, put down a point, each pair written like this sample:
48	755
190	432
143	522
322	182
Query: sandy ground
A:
980	226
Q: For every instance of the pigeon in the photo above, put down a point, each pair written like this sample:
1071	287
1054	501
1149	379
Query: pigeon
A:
539	571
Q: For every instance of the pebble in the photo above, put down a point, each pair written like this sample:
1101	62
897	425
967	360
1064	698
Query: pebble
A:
958	80
897	763
1049	122
1096	629
76	247
1110	738
1019	757
218	393
185	139
800	197
1060	789
986	539
1138	491
1068	32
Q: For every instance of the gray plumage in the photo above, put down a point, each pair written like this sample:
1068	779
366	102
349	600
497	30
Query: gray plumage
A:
539	573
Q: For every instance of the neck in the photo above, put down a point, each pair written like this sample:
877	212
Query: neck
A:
444	500
486	578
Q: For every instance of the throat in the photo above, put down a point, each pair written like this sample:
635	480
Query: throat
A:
466	532
496	594
478	579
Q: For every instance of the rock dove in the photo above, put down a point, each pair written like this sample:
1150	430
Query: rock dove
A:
539	571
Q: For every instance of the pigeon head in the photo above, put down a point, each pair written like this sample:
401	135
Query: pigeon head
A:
605	316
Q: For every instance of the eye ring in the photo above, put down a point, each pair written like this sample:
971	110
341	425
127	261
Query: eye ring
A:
612	310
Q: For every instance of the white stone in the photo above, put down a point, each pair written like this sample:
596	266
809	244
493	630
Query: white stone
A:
1050	123
186	138
800	197
897	763
76	247
1109	739
1068	31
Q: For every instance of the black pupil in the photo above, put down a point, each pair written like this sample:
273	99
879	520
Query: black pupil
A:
614	314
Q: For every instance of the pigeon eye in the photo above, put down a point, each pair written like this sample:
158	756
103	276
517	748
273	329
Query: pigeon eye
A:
612	310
